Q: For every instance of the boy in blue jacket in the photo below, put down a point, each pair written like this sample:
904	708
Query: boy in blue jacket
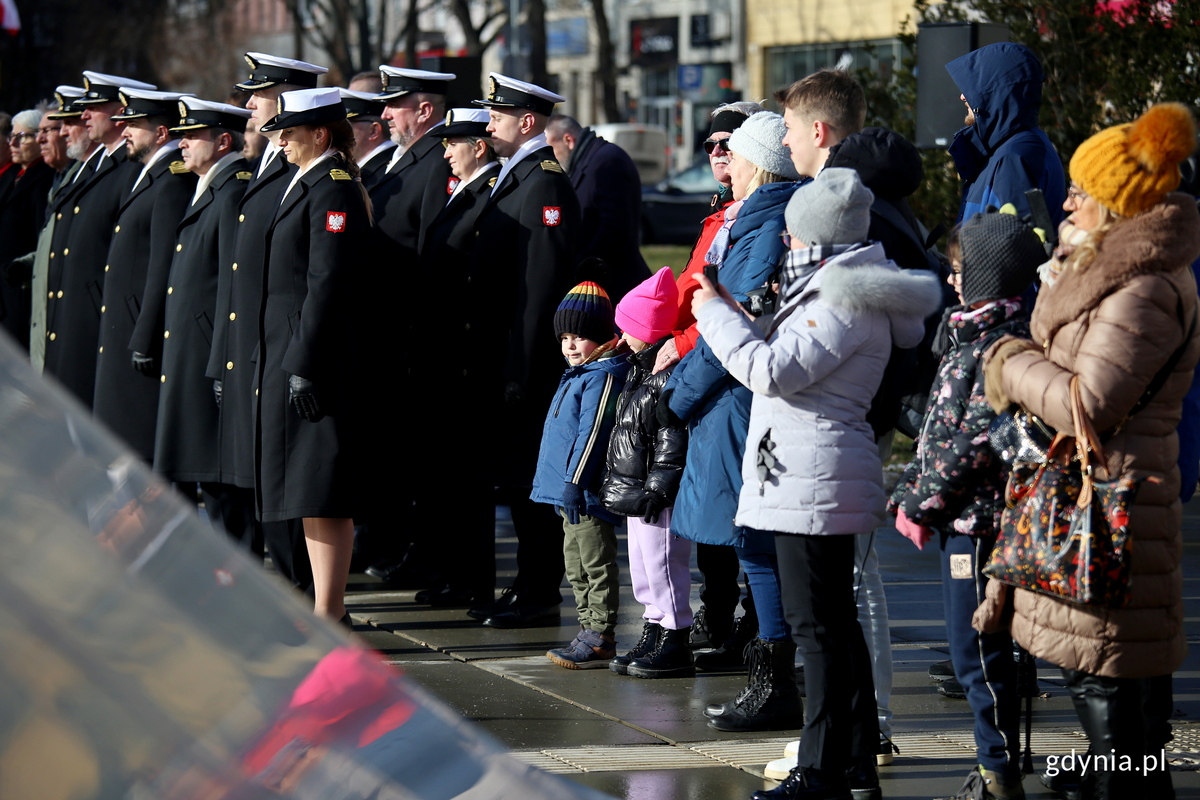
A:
570	462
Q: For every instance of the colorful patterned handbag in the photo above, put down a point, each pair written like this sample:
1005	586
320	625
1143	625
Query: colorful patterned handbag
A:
1064	533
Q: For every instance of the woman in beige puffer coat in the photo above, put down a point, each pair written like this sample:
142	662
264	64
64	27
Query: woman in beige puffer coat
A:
1118	301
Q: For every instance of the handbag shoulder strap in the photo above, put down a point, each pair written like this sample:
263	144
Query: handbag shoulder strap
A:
1087	444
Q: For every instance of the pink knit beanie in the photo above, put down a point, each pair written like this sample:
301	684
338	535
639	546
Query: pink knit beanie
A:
649	311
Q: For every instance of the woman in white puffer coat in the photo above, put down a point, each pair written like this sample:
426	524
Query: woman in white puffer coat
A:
811	471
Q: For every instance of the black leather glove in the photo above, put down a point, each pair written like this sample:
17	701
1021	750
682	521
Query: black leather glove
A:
19	270
302	394
143	363
574	503
514	394
217	392
650	506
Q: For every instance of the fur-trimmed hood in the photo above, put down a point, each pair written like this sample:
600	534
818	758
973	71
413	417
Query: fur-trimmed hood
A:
1158	241
864	280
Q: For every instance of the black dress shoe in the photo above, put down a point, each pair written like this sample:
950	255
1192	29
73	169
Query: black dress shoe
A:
953	689
508	599
808	784
524	617
403	574
450	597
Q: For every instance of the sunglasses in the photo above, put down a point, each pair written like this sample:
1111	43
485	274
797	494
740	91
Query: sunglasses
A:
711	145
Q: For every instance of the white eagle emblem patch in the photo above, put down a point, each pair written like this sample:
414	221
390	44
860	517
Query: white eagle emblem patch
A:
451	185
551	215
335	221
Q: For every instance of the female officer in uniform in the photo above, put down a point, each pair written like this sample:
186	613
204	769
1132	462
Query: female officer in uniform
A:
305	443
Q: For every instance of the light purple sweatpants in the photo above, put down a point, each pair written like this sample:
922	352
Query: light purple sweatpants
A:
658	568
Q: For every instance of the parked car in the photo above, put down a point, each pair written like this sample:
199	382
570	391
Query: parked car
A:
673	208
646	145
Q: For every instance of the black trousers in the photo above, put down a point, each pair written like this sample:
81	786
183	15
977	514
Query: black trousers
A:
540	564
231	509
719	567
816	576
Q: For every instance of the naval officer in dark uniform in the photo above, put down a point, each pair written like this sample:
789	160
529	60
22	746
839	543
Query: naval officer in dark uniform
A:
185	445
405	199
469	557
79	247
373	145
139	258
239	301
526	245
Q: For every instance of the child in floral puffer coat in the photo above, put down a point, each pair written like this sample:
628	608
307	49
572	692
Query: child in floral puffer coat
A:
955	486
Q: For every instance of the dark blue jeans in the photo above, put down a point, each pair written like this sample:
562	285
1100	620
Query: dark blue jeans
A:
983	662
758	561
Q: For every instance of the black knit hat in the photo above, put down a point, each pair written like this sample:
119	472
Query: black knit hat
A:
1000	257
586	311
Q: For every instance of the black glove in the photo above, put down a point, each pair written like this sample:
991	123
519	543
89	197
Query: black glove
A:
19	270
574	503
143	363
217	392
650	505
302	394
514	394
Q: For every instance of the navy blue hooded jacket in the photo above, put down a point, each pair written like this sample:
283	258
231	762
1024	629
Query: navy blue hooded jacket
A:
1004	153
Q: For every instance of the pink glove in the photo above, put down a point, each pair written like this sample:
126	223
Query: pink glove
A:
917	534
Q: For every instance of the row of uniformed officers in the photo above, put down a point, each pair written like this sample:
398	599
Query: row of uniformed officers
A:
242	325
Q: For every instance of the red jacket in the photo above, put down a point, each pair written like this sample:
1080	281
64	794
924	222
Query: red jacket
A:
685	338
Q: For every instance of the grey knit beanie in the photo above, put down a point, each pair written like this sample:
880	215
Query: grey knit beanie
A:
759	140
1000	257
835	208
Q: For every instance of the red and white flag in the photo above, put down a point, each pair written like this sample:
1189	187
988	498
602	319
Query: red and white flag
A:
10	20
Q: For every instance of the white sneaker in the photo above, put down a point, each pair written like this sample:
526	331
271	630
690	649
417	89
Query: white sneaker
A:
779	769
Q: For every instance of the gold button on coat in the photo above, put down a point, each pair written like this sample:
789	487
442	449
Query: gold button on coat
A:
163	379
53	337
241	217
66	251
229	365
103	309
117	229
166	334
170	290
232	316
60	294
235	266
178	247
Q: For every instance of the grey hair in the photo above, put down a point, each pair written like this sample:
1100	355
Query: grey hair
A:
747	107
29	118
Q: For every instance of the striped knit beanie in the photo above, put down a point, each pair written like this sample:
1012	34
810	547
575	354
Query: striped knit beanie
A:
586	311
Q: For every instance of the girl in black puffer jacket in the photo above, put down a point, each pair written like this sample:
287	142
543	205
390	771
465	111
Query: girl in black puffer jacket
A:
642	471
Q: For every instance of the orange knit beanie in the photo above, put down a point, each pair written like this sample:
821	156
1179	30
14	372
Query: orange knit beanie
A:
1130	168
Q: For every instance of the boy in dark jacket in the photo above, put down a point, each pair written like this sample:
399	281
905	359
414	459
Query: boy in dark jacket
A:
645	461
955	486
574	441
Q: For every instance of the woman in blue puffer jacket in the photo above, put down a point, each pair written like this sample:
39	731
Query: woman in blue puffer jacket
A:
747	251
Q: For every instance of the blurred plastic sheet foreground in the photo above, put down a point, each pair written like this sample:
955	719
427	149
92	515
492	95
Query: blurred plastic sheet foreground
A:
142	656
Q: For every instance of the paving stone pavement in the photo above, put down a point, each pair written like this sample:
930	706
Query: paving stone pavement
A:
648	740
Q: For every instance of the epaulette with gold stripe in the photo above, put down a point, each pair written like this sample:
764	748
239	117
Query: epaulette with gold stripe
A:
178	168
552	166
340	175
245	175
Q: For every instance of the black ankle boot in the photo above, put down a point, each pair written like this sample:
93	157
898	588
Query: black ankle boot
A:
731	655
670	658
805	783
650	633
770	700
709	630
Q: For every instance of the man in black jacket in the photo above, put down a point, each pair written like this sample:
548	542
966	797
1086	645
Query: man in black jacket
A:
135	275
525	247
373	147
610	199
185	444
